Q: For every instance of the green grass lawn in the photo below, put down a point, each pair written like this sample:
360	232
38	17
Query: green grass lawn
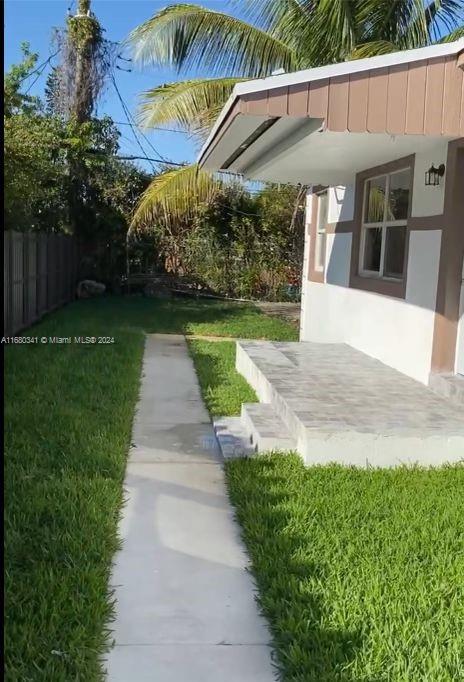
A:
223	389
360	572
68	418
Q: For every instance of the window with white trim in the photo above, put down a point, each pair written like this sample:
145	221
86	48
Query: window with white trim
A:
384	226
322	218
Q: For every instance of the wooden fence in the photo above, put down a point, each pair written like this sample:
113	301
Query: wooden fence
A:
40	272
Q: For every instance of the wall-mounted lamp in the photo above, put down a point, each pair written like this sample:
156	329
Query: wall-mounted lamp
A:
433	175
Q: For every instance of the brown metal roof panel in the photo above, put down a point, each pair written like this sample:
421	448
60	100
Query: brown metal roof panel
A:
461	131
337	118
318	99
278	101
397	99
255	103
377	102
452	97
357	102
298	96
415	105
434	96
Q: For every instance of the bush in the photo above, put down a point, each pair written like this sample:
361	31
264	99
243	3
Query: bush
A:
246	247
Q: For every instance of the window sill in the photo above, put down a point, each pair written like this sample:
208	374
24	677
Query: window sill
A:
380	278
395	288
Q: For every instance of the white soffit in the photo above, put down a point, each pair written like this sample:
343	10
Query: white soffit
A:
333	158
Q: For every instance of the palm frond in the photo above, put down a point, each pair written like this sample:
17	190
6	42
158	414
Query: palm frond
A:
173	196
409	24
267	14
443	14
297	28
454	35
194	38
319	31
401	22
335	21
193	105
372	49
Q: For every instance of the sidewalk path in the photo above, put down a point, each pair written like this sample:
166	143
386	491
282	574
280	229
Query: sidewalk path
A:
185	602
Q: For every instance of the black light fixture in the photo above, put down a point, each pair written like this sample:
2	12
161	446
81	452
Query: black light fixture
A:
433	175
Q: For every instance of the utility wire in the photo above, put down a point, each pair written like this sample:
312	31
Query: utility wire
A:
168	130
131	121
147	158
127	114
40	68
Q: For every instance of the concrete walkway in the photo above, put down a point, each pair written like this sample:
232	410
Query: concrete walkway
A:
185	602
290	312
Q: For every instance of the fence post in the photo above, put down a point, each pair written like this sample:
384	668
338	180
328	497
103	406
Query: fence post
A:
25	282
39	275
8	284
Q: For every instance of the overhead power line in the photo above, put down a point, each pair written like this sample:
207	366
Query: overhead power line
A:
168	130
135	130
148	158
126	112
40	68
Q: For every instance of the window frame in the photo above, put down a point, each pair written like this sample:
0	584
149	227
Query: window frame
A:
321	231
384	225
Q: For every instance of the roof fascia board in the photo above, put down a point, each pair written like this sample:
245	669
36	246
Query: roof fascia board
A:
352	66
222	115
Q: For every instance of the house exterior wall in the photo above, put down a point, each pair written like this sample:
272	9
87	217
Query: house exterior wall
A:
397	329
398	332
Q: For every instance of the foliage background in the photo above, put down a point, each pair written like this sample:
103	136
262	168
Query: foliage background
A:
237	242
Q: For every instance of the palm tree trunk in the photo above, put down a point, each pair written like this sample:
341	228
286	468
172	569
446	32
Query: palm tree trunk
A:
83	32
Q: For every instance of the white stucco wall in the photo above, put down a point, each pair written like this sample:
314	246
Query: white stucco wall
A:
397	332
341	203
304	319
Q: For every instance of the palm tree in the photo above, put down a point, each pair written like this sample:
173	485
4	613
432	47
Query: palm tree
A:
275	34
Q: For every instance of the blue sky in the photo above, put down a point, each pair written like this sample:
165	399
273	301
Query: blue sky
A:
33	21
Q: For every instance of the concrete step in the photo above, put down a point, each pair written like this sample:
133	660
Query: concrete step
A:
233	439
343	406
266	429
249	355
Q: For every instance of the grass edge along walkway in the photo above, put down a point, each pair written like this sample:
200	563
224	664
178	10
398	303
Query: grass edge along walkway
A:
360	572
68	418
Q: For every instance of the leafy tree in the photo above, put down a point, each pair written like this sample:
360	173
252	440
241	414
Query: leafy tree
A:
14	100
40	148
34	156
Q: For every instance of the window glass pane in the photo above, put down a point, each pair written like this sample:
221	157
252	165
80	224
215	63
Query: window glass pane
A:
323	212
372	249
395	243
320	250
398	195
375	200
